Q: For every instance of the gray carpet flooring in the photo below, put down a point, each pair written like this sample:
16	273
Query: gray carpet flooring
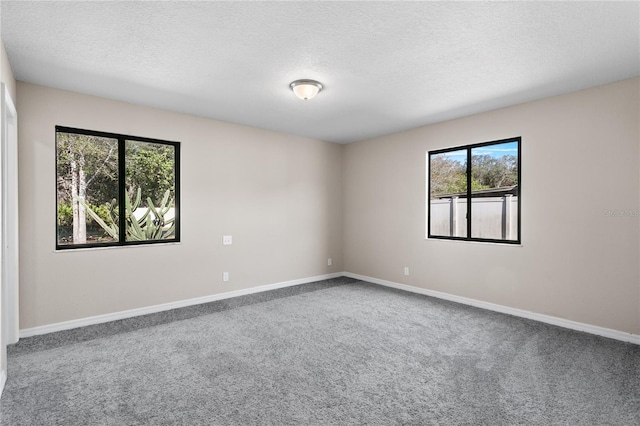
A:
340	352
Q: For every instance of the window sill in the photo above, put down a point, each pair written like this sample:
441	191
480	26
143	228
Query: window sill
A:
73	250
474	242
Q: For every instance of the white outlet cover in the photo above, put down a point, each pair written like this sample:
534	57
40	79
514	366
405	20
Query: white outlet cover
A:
225	276
329	262
227	240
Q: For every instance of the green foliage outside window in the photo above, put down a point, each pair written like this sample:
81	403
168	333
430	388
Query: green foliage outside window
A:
89	185
449	175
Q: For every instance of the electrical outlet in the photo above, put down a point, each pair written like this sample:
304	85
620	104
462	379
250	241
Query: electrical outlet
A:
227	240
225	277
406	270
329	262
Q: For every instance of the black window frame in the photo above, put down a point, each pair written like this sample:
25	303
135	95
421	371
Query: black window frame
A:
469	198
122	242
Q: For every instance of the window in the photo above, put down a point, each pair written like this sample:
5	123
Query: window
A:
474	192
115	190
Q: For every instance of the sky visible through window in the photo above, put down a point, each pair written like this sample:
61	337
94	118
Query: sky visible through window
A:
495	151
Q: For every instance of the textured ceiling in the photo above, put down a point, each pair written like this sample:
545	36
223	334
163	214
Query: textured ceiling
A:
386	66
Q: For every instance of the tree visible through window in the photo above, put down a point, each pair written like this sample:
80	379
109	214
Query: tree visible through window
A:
115	189
474	192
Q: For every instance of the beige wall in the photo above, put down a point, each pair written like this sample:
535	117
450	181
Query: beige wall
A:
581	149
286	200
280	196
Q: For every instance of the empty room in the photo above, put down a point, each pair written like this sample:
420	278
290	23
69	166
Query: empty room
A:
319	213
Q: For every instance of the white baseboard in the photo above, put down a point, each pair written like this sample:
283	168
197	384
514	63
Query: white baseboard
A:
99	319
573	325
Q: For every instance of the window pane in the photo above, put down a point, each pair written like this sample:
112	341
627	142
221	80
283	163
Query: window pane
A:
150	184
87	189
494	191
448	193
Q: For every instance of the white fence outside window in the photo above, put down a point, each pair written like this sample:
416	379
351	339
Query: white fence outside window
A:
493	217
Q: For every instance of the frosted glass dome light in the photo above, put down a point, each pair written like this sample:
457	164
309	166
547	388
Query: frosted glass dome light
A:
305	89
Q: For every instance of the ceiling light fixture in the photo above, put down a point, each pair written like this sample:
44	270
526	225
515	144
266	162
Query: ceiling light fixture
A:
306	89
